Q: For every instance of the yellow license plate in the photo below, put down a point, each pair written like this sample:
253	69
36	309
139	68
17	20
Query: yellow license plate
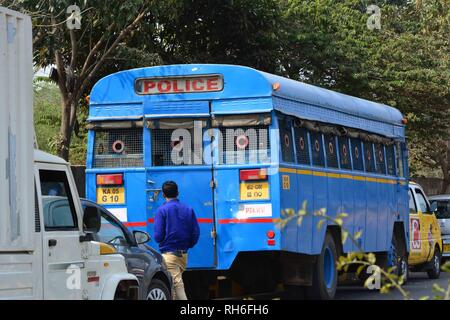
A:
446	247
254	190
115	195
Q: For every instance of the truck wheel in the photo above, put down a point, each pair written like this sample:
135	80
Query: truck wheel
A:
158	291
325	276
399	260
435	270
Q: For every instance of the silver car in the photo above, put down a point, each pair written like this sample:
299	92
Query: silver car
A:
440	204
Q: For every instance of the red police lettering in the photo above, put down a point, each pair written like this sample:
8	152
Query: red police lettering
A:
212	84
166	88
195	87
175	86
148	85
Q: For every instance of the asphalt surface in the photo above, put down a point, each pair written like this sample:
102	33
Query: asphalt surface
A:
419	285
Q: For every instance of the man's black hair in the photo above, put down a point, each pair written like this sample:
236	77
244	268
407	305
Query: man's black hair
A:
170	189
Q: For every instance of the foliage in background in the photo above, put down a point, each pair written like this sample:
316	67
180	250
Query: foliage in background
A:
323	42
83	55
47	120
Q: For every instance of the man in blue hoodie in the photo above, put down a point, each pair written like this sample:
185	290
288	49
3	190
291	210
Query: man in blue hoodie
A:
176	231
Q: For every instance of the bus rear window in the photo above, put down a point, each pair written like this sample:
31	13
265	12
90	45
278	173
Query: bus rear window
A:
172	149
117	148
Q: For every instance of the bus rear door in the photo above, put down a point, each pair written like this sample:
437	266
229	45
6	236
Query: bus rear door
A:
177	147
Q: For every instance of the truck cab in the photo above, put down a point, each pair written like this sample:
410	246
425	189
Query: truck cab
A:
74	266
61	261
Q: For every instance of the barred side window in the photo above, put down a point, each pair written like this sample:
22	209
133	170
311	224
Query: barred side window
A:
400	164
287	148
357	154
369	160
244	145
317	149
301	139
379	153
344	153
390	160
116	148
331	150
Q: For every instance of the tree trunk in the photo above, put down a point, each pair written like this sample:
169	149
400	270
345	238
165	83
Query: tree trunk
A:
446	175
445	183
65	134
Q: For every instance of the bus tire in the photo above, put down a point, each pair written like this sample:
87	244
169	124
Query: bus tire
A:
399	259
435	271
324	280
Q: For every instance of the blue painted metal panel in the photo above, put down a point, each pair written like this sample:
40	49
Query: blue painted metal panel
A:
320	187
334	206
117	111
169	109
237	106
371	217
119	87
90	149
312	95
306	229
348	206
383	197
194	188
330	115
289	199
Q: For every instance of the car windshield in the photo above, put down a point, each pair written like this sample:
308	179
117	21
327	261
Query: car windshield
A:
442	208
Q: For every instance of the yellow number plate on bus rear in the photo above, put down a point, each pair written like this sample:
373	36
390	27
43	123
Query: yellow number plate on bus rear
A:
446	247
115	195
254	190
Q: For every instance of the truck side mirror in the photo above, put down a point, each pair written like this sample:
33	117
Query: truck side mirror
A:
91	219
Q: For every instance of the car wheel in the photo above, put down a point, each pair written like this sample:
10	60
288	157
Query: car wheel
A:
158	291
435	270
324	272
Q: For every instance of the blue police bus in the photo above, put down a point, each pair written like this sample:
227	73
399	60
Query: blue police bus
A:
244	146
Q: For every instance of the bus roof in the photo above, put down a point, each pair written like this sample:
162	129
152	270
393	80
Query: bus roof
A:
246	90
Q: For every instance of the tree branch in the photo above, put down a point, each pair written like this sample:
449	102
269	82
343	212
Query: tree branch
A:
73	41
87	78
95	49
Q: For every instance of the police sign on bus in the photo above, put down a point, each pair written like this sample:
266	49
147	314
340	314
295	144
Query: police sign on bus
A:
206	83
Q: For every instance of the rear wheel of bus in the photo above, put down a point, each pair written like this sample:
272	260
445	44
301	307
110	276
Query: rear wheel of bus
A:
324	281
399	259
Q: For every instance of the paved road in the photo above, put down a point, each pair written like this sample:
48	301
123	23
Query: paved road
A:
418	286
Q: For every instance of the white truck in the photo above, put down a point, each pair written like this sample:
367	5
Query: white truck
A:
46	247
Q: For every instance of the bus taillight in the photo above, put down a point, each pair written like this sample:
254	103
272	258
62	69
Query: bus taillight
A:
253	174
109	179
